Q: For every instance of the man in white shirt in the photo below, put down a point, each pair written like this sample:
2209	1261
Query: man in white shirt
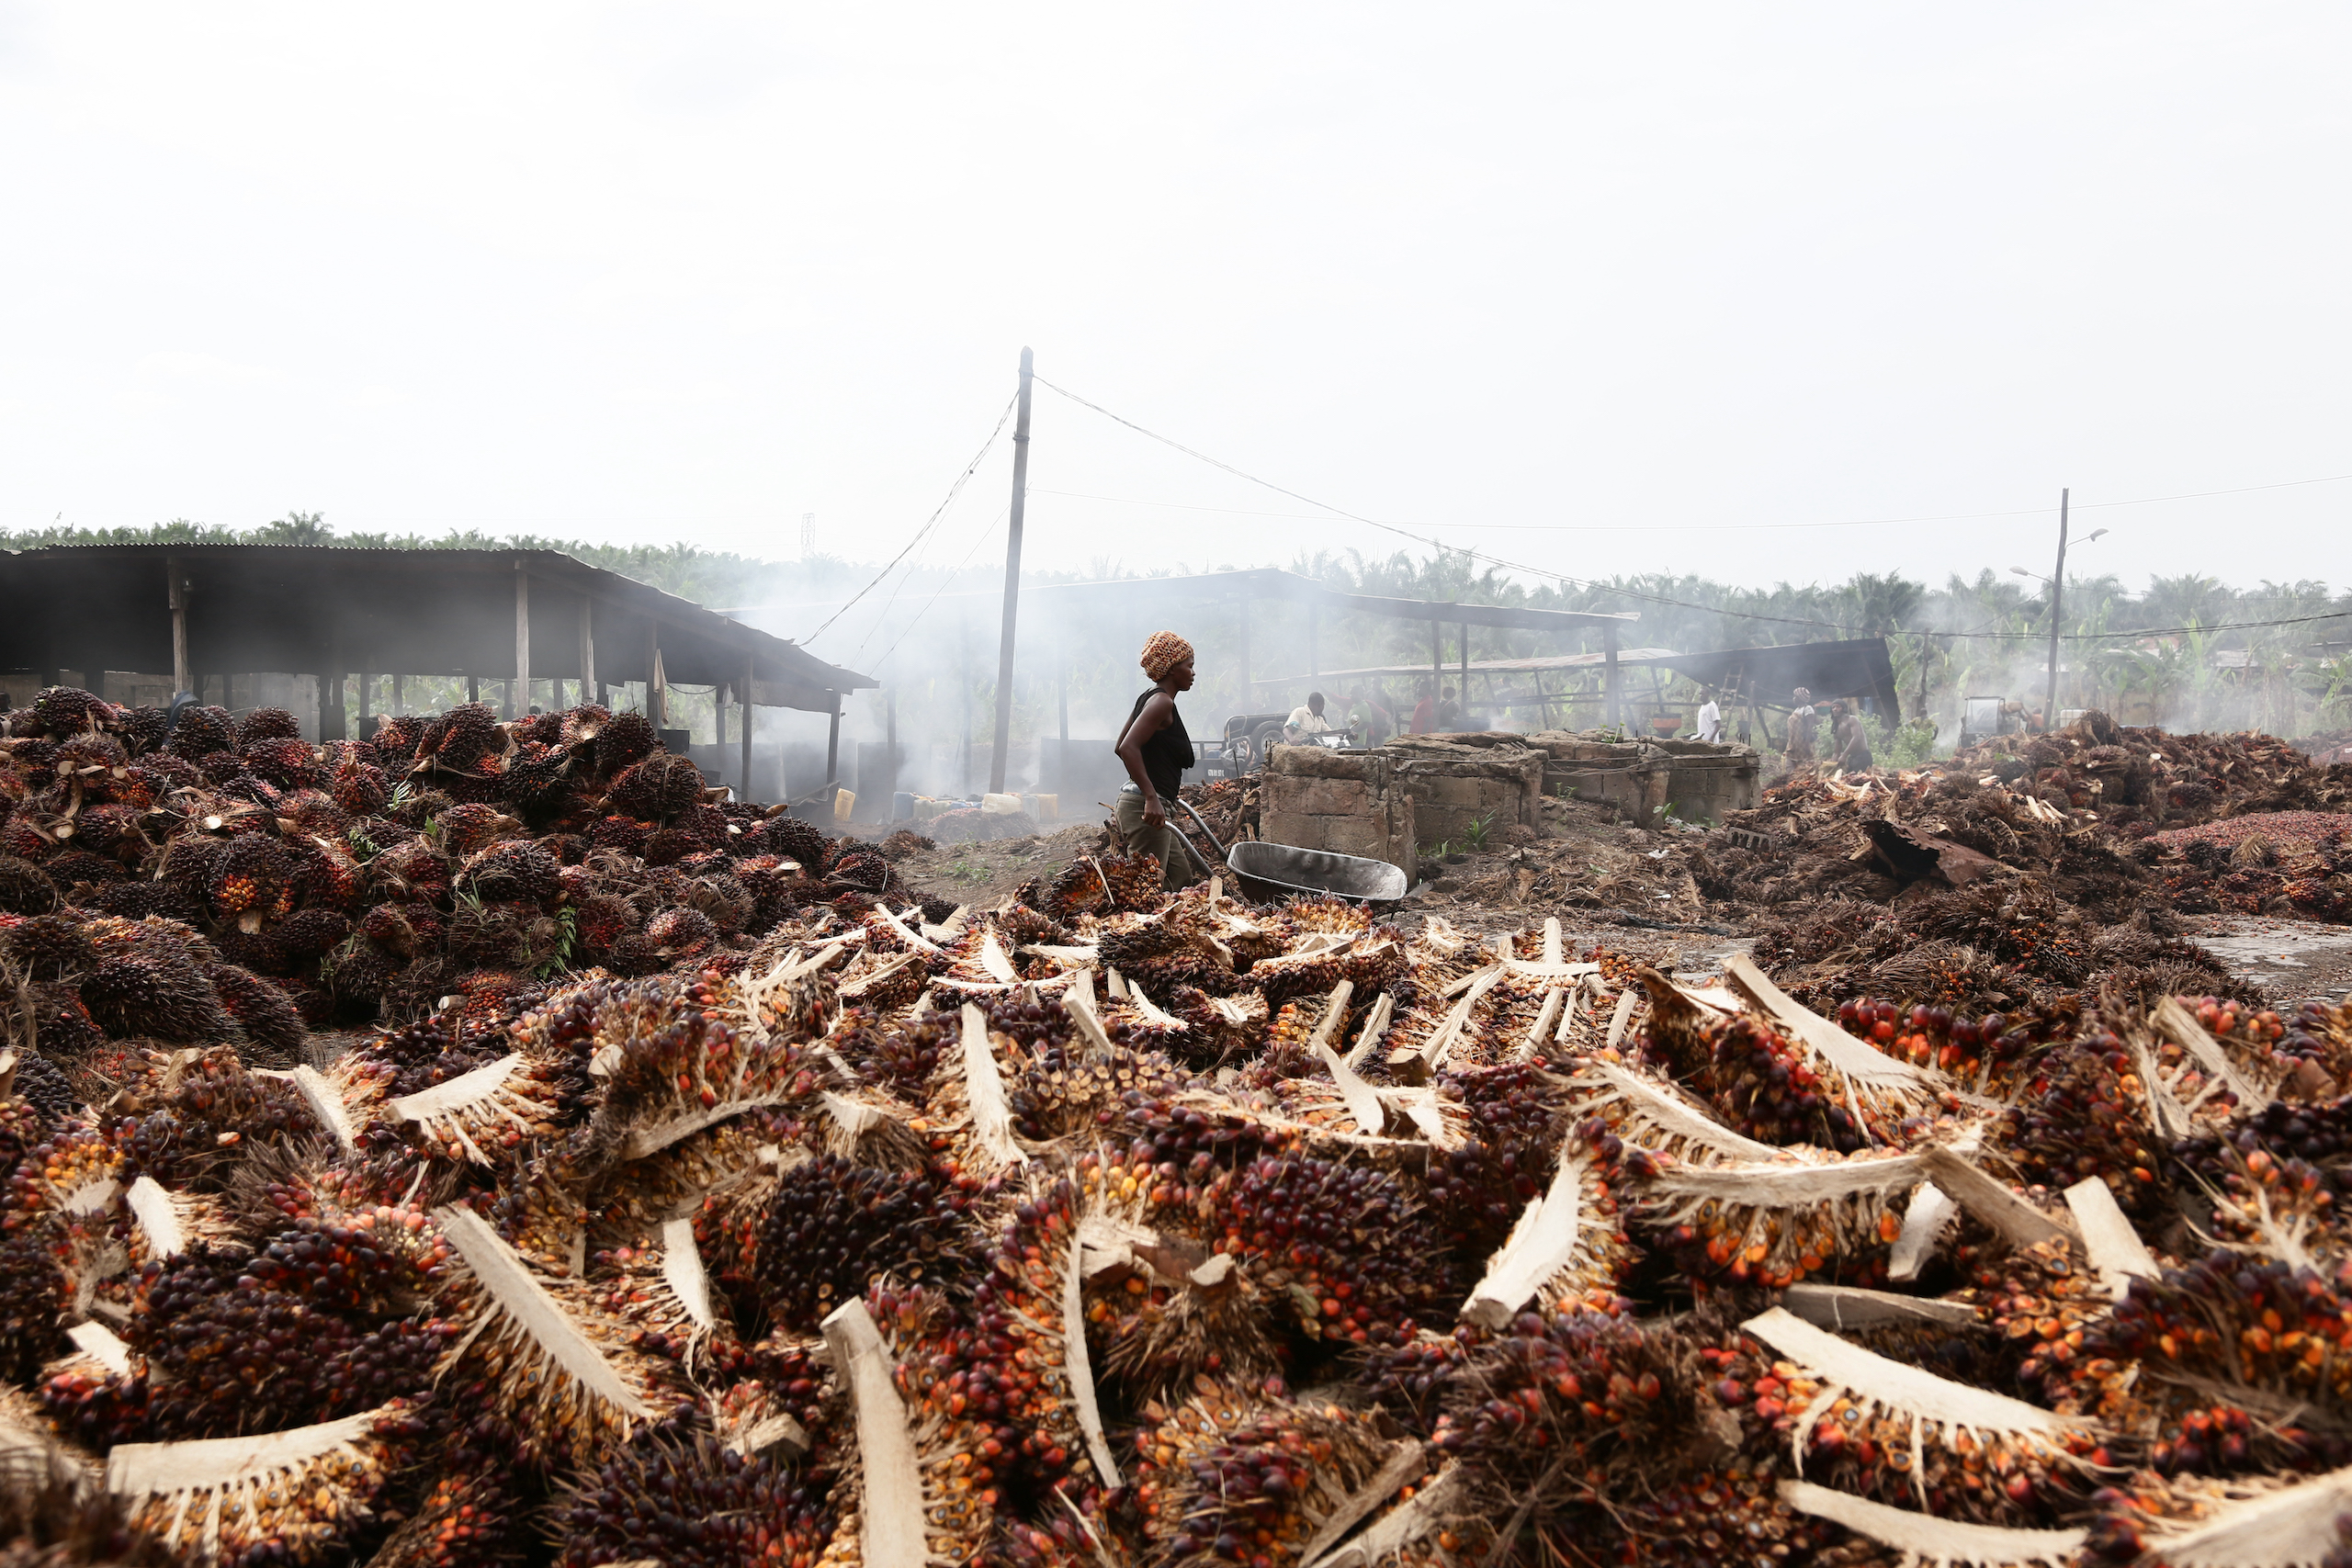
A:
1711	717
1307	719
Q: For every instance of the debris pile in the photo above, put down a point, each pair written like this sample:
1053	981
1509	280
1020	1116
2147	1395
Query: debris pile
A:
2027	868
1112	1227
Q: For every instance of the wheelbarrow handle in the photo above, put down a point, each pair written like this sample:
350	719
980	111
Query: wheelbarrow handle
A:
1206	830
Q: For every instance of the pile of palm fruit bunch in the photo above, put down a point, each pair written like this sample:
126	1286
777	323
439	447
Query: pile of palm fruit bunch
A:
1229	807
371	878
2027	868
1118	1226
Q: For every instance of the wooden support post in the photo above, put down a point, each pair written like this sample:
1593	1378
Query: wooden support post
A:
1011	582
657	695
1612	676
177	583
1462	713
1437	661
587	647
473	687
331	723
833	746
751	673
397	709
367	684
518	693
719	717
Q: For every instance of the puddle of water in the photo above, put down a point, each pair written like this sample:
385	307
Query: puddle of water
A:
2301	958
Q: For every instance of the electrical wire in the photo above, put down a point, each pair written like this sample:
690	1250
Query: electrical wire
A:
986	535
1712	609
952	491
1715	527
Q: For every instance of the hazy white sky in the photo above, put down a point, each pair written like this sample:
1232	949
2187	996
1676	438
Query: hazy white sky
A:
688	271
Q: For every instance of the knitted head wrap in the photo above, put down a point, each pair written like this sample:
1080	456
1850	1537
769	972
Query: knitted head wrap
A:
1164	652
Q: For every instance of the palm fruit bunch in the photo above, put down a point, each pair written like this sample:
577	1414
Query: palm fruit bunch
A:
675	1494
832	1225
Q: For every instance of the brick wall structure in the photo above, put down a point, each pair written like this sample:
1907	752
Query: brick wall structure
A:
1350	802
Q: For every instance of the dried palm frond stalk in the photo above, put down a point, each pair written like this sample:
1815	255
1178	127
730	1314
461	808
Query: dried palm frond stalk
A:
543	1352
304	1491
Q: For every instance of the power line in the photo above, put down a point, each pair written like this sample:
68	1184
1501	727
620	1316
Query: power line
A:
1693	527
1711	609
952	491
1424	540
986	535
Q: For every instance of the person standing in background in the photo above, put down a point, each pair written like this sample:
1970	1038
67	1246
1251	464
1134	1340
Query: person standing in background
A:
1853	747
1370	721
1801	720
1711	716
1449	711
1424	711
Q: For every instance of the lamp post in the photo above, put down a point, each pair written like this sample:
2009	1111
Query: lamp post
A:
2057	592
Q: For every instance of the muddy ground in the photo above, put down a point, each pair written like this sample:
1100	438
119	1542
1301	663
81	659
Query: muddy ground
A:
1611	884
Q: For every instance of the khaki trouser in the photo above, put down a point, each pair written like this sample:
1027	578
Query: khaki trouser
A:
1164	844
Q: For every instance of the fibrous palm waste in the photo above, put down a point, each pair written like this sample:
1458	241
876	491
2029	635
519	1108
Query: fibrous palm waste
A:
1112	1226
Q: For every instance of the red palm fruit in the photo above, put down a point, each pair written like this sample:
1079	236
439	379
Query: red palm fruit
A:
659	787
267	724
67	710
461	738
202	731
250	881
668	846
623	740
411	873
315	812
466	829
287	764
680	933
25	888
516	871
395	741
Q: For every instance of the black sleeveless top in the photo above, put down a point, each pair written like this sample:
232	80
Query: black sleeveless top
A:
1167	754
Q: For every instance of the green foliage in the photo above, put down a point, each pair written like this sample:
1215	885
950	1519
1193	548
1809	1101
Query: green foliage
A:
1478	831
567	948
1907	745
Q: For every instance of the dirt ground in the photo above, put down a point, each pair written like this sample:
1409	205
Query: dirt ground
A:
984	874
1595	875
1614	885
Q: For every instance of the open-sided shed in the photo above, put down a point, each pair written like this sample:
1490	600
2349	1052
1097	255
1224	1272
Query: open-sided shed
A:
203	611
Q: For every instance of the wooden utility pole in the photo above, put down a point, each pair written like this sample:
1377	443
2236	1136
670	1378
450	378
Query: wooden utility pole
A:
1011	582
2057	580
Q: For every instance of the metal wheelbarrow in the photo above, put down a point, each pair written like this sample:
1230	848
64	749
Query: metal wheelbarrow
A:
1319	873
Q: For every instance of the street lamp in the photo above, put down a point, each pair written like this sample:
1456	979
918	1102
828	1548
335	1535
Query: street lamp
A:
2050	703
